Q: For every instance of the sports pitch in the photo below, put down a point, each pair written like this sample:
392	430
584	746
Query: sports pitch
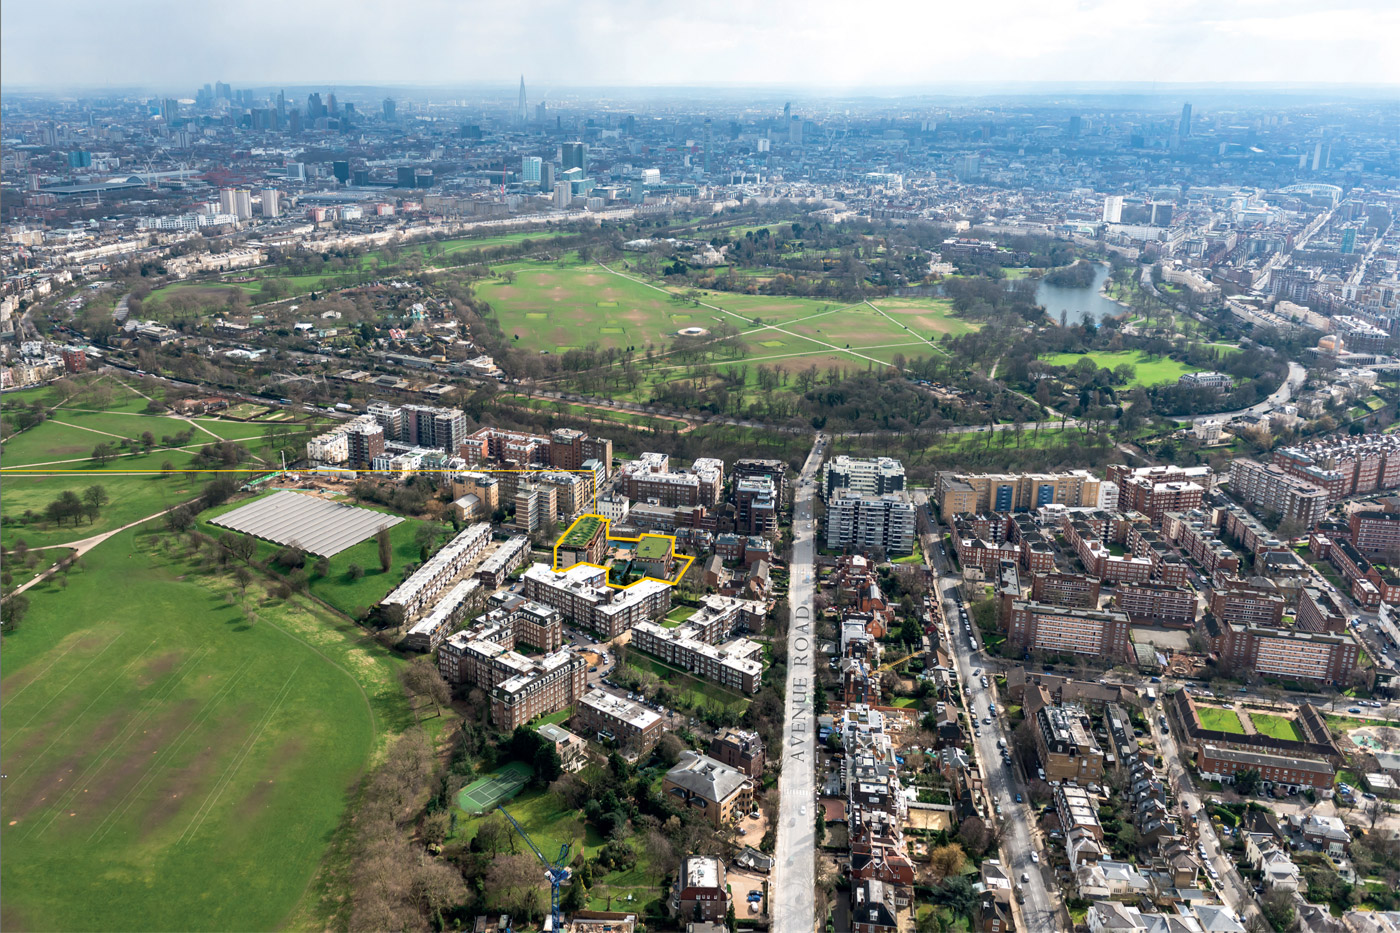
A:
486	793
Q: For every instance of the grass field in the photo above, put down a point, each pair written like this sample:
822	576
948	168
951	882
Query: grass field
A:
186	756
1150	371
1220	720
1278	727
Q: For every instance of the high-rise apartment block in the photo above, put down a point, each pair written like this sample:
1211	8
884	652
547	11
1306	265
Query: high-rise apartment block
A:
876	477
530	170
869	522
1062	630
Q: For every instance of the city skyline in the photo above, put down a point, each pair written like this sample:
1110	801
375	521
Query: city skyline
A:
729	45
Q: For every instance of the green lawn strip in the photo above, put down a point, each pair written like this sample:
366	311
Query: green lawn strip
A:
130	497
549	823
1150	371
1220	720
21	572
205	748
697	692
47	442
1278	727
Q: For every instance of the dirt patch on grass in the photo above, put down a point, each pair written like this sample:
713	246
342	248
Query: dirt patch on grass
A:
287	753
111	785
156	668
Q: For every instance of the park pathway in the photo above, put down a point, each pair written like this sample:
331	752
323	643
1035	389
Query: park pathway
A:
83	545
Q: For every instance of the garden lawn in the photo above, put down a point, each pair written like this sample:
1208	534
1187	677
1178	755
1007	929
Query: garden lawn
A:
545	818
1220	720
691	690
1278	727
1151	371
187	757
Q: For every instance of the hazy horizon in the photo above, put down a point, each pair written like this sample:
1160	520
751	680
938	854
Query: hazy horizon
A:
820	47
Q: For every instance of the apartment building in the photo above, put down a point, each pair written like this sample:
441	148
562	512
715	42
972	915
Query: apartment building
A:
1156	604
586	542
736	664
1065	745
1320	611
756	503
650	479
1155	498
551	683
511	620
1375	532
439	571
1194	533
1345	466
421	425
1249	532
536	507
1287	654
867	523
564	449
570	449
1274	491
435	625
775	471
1021	492
739	749
875	477
1061	630
582	596
614	718
1070	590
1222	764
1092	536
503	561
1254	603
722	793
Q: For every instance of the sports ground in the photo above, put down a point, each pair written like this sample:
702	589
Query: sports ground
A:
488	792
552	308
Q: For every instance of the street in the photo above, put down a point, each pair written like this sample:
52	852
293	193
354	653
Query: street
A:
794	858
1040	910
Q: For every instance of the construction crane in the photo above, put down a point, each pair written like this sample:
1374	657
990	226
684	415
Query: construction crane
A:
556	871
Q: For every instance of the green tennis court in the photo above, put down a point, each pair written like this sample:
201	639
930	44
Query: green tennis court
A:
483	795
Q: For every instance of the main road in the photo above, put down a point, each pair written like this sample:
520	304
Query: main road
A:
794	860
1039	910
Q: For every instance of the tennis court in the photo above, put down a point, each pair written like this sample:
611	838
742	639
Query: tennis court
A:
483	795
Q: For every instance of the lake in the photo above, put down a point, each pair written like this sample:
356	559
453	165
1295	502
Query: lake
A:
1078	304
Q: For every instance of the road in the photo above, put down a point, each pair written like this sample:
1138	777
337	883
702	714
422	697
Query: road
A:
1231	888
1297	375
1040	910
794	859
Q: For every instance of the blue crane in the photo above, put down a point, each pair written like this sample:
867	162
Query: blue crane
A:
556	871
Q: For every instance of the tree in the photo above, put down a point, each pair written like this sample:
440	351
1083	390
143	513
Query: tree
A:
421	678
1247	781
167	469
1277	907
13	611
355	571
947	860
103	453
94	498
386	549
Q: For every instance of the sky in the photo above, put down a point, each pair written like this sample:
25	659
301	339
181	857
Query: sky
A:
828	45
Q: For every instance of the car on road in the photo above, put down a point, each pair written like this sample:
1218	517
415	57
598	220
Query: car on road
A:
1025	877
1354	710
986	720
1018	798
1035	857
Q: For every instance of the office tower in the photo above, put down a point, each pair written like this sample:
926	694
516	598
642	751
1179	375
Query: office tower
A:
341	170
795	131
360	177
1113	209
281	109
787	113
541	114
530	169
294	122
222	90
169	110
1161	214
1076	126
271	203
522	112
575	155
81	158
563	195
389	110
406	176
331	106
707	145
547	177
1184	129
314	108
967	167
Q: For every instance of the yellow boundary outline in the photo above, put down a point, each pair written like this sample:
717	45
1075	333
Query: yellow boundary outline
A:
607	526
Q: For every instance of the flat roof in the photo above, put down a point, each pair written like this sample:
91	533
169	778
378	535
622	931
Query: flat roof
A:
315	525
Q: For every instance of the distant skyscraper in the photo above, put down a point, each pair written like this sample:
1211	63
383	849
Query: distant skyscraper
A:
226	205
707	145
271	203
787	113
795	131
530	169
1113	209
968	167
1076	126
169	110
575	155
341	170
331	106
541	114
222	90
522	109
81	158
243	204
389	110
314	108
1184	129
547	177
294	122
563	195
281	110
